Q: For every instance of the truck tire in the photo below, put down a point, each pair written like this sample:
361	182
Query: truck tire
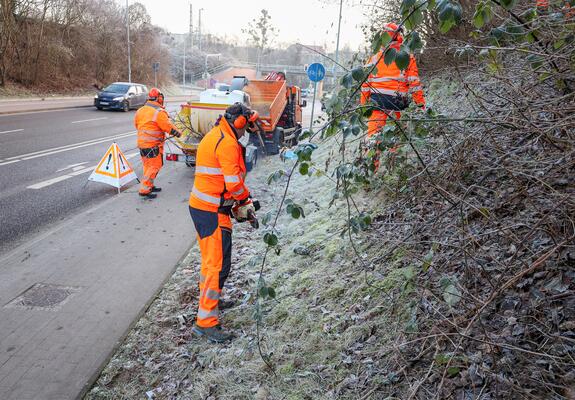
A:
273	147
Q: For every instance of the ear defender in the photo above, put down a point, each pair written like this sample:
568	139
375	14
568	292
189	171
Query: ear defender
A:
240	122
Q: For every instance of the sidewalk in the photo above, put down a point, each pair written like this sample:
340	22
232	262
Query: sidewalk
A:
68	297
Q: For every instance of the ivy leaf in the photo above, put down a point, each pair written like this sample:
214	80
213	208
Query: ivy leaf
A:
402	59
389	56
270	239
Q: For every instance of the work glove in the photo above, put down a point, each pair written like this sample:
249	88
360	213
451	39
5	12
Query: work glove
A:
241	210
176	133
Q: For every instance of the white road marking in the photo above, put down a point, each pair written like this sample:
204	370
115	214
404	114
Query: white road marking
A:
69	147
81	171
73	166
86	120
8	162
15	130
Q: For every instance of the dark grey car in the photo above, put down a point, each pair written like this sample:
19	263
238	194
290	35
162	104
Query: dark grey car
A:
121	96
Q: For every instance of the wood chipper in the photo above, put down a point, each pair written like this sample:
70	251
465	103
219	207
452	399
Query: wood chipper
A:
278	105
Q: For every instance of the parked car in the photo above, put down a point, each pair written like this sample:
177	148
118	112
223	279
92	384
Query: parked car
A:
121	96
304	93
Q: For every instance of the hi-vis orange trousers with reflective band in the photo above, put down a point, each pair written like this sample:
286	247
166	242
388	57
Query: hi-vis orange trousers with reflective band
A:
152	162
215	240
377	121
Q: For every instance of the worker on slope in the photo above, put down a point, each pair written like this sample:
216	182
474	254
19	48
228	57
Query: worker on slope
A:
153	123
389	87
219	191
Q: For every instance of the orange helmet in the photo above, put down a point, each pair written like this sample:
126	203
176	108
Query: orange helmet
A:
394	31
155	95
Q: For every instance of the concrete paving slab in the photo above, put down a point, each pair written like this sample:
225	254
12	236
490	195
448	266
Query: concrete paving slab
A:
97	272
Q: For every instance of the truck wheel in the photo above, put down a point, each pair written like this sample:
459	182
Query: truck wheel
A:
277	139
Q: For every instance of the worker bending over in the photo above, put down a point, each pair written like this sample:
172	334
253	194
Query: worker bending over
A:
388	87
153	123
219	191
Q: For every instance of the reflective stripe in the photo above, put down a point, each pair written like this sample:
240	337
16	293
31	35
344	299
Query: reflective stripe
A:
208	170
212	294
384	91
229	202
386	79
206	197
416	88
202	278
231	179
238	192
203	314
155	117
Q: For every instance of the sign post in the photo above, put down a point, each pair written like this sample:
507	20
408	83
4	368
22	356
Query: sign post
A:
156	68
315	73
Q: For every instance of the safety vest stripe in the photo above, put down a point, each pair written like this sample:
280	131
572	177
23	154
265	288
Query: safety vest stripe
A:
386	79
412	78
203	314
231	179
210	294
383	91
155	117
238	192
208	170
415	88
206	197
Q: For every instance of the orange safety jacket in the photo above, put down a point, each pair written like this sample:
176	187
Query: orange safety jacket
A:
390	80
152	122
220	170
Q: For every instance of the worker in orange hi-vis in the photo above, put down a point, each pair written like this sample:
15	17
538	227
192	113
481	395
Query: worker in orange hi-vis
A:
388	86
153	123
219	192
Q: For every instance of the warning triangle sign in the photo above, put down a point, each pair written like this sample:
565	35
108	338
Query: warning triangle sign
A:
114	168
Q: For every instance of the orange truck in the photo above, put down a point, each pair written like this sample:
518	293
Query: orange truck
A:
278	105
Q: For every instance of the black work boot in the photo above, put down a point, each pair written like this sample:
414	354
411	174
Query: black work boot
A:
215	334
149	195
156	189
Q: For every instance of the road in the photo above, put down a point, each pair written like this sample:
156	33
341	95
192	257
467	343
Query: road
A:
45	160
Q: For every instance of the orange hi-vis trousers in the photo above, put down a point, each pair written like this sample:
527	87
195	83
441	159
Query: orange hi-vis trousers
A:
215	239
152	161
377	121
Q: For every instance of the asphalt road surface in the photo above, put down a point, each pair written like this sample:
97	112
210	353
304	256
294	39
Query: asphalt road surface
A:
45	161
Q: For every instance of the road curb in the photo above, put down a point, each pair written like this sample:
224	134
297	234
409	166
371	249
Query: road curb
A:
43	109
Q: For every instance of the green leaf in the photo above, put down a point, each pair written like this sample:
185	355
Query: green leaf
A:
264	291
414	43
402	59
358	74
452	371
451	295
276	176
414	19
271	292
478	17
407	4
389	56
304	168
295	212
347	80
508	4
270	239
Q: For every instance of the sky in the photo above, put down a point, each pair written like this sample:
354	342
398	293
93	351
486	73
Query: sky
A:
306	21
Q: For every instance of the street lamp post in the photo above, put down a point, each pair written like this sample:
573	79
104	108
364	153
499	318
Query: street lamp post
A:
200	29
335	66
128	34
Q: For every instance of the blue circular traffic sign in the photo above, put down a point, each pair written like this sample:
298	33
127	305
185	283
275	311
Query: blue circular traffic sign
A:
316	72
